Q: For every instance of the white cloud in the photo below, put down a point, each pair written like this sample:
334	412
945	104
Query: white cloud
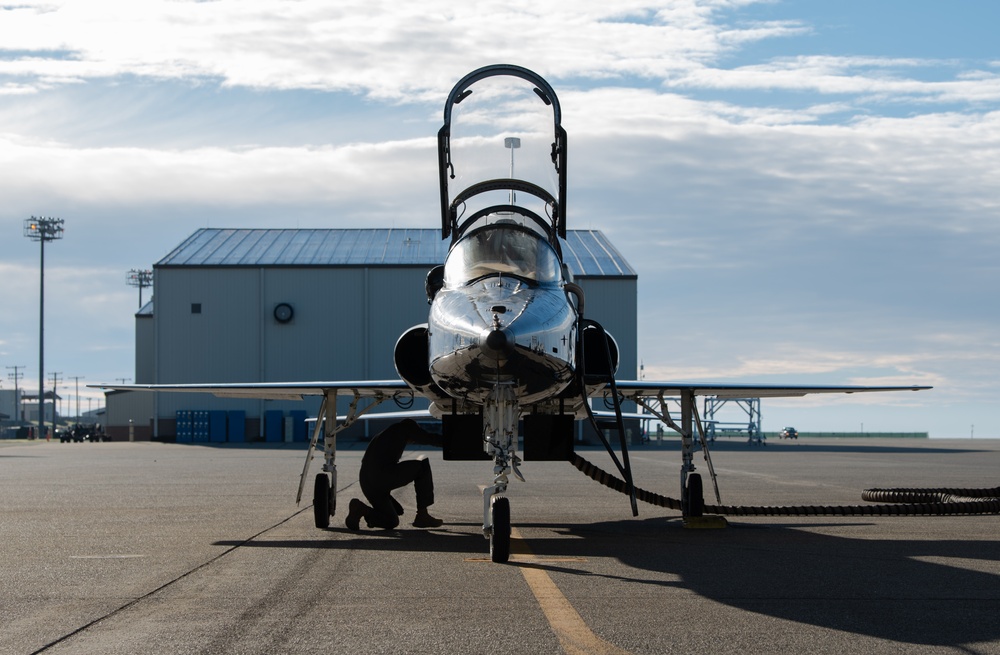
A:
214	176
417	47
868	77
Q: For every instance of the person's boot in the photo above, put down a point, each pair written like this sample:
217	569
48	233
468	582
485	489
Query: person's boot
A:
396	506
425	520
356	511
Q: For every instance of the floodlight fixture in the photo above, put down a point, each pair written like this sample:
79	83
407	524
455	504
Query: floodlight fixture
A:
139	278
43	228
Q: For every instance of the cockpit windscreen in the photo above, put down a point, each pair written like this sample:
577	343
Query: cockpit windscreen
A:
504	250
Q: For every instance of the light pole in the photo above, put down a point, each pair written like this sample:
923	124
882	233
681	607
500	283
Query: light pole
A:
55	384
513	143
139	278
15	376
77	378
42	229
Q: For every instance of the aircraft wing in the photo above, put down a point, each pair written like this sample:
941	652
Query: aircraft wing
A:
373	388
273	390
645	388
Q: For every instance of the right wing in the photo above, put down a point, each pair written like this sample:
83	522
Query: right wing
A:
652	389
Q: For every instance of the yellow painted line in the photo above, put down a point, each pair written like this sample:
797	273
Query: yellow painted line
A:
574	636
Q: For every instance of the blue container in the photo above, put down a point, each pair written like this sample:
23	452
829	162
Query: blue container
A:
217	426
299	429
237	428
184	426
273	426
199	428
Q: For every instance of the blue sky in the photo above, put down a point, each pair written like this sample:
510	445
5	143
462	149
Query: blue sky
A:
808	190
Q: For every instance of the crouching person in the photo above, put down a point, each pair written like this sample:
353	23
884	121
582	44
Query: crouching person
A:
382	472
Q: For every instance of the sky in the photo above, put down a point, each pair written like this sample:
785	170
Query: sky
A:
807	190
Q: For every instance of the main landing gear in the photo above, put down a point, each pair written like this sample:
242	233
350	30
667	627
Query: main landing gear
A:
693	506
324	501
693	500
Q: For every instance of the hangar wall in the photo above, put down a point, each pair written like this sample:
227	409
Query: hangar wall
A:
345	323
144	345
612	303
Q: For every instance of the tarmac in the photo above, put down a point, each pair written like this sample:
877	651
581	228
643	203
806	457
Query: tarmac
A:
166	548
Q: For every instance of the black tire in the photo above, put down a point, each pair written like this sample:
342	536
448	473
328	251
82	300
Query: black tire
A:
695	496
500	540
321	500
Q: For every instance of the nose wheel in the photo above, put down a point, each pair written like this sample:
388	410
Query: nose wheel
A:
500	536
500	413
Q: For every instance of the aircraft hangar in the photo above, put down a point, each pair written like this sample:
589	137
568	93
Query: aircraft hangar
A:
272	305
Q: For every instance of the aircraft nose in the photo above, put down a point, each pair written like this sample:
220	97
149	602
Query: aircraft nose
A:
496	343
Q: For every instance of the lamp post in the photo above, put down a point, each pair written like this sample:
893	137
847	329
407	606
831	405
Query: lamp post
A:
15	376
139	278
55	395
512	143
77	378
42	229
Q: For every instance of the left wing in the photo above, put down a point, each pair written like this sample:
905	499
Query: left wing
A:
275	390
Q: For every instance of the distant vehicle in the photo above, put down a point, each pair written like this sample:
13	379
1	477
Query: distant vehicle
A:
789	433
83	432
66	435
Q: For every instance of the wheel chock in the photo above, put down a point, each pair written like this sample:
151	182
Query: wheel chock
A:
705	522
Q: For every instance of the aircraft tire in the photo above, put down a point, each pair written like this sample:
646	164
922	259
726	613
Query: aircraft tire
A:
500	539
695	496
321	500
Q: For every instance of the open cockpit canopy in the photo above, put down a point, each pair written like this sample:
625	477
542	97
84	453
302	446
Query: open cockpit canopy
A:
502	149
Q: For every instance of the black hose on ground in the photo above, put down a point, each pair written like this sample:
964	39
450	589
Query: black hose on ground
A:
902	502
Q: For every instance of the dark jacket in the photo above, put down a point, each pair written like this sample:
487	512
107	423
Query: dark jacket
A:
386	448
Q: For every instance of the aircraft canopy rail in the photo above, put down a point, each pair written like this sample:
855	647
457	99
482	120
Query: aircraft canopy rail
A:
511	186
477	146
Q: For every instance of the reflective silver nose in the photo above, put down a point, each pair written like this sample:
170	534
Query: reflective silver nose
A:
496	343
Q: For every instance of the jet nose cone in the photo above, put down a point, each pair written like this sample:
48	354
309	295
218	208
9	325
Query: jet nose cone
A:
495	342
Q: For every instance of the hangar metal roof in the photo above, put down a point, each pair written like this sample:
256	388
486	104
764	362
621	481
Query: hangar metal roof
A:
588	253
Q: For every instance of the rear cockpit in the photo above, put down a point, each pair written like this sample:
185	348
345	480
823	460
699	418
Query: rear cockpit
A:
502	248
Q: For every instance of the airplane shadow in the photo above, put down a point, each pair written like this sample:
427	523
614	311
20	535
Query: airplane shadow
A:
880	588
884	589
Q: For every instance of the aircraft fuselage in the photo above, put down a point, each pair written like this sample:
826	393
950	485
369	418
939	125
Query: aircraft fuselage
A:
501	328
503	316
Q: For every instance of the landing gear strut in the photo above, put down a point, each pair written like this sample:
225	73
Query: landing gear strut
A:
500	414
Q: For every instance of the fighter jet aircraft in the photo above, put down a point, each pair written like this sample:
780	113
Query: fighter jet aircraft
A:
507	341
